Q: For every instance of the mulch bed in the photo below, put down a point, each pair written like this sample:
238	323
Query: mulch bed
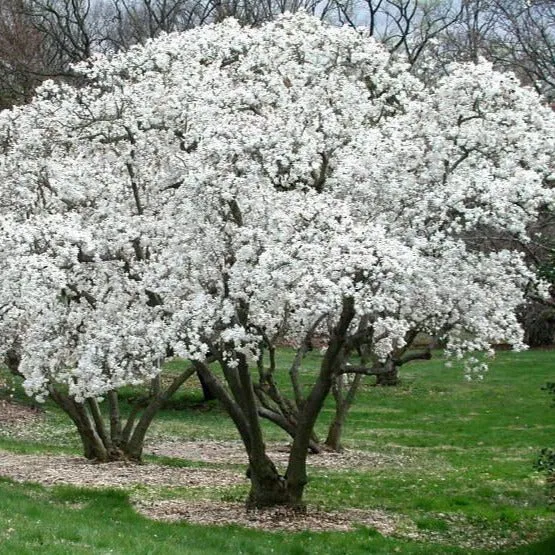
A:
13	413
233	452
275	519
77	471
50	470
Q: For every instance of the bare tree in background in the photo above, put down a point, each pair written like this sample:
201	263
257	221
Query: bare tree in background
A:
134	21
71	30
516	35
525	42
21	57
43	38
470	38
406	27
40	39
255	12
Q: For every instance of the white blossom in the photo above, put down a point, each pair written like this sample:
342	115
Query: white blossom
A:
213	186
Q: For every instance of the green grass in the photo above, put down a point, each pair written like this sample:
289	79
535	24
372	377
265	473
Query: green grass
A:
65	520
455	467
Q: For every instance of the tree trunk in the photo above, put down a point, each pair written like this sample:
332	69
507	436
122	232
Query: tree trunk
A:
12	360
121	443
207	393
343	402
388	378
296	467
90	450
93	448
269	488
335	432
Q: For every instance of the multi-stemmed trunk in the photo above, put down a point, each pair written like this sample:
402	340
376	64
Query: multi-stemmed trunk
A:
273	405
386	373
269	487
207	394
113	437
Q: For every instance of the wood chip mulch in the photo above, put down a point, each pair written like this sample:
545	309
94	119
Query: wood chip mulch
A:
233	452
77	471
275	519
52	470
13	413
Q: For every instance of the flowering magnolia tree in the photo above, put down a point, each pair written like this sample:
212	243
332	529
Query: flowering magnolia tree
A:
214	191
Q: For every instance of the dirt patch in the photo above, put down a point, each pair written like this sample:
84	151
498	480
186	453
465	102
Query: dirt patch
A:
233	452
12	413
275	519
76	471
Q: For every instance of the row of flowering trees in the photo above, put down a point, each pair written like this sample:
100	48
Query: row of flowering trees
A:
211	192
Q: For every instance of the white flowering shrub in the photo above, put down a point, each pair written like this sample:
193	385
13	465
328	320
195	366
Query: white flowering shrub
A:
212	190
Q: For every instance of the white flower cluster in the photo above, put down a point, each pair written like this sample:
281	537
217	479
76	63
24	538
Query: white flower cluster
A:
215	186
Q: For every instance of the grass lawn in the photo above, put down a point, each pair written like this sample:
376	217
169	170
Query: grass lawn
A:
455	473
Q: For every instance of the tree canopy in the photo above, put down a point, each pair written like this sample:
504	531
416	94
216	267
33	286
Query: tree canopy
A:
215	190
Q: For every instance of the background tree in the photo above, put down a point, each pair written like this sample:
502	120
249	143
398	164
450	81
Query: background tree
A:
406	27
22	60
524	42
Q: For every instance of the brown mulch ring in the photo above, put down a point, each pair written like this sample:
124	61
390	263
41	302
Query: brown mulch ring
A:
233	452
77	471
275	519
52	470
13	413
